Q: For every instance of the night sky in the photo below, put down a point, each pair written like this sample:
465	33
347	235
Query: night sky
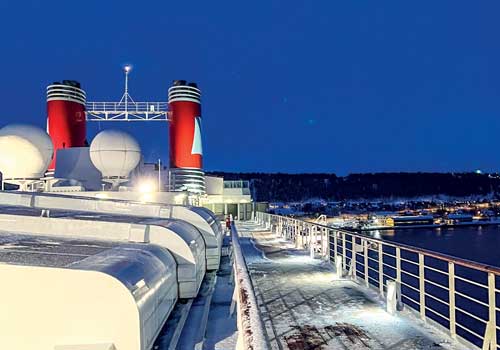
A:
289	86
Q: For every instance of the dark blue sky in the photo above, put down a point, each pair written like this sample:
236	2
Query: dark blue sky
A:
290	86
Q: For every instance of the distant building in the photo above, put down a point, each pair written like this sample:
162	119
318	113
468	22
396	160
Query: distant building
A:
230	198
453	219
414	220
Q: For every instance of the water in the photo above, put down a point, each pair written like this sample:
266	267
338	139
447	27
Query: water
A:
476	243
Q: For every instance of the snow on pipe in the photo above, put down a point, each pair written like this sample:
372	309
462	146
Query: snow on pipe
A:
250	325
180	238
210	229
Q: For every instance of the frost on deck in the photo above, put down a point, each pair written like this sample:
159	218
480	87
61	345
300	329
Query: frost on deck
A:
303	307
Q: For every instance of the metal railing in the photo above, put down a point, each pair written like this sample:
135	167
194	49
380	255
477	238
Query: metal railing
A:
251	334
127	111
456	295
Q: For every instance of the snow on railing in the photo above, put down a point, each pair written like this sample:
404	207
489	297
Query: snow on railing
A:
456	295
251	335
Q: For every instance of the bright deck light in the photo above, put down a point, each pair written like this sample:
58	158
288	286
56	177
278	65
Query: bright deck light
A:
146	187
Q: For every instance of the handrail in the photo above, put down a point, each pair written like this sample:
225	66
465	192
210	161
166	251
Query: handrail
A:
470	294
251	334
437	255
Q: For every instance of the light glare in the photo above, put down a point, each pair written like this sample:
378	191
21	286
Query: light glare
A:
146	187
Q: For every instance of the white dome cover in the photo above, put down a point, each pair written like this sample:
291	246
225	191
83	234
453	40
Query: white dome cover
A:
25	151
114	153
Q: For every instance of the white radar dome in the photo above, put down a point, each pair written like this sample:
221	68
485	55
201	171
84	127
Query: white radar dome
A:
25	151
114	153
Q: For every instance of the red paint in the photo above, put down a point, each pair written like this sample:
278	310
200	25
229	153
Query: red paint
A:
181	131
66	125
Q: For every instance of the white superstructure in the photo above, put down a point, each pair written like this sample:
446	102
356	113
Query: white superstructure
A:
25	154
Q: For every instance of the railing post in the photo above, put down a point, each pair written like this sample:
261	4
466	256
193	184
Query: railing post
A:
421	280
289	230
353	258
287	221
303	236
398	278
380	268
311	240
298	235
344	251
335	243
283	227
451	291
492	310
365	254
328	256
295	230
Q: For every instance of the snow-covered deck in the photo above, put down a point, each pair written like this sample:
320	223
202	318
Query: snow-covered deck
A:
304	307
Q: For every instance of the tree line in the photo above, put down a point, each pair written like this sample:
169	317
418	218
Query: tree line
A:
284	187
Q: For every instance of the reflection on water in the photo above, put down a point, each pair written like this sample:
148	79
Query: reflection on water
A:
477	243
376	234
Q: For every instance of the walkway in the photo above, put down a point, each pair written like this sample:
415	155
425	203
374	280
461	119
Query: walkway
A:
304	308
222	332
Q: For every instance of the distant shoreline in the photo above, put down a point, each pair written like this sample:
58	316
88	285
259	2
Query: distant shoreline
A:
385	228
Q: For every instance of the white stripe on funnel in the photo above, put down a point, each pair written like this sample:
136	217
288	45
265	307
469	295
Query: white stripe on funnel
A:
197	147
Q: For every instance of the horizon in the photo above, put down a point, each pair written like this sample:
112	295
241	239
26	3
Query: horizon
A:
363	173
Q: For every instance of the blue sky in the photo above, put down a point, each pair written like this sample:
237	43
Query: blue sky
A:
290	86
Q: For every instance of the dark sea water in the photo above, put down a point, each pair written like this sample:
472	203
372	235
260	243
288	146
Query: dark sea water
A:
476	243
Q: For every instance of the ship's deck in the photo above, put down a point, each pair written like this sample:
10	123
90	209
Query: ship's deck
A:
304	307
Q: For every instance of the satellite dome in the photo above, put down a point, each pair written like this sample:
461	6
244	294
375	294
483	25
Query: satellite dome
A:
25	151
114	153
